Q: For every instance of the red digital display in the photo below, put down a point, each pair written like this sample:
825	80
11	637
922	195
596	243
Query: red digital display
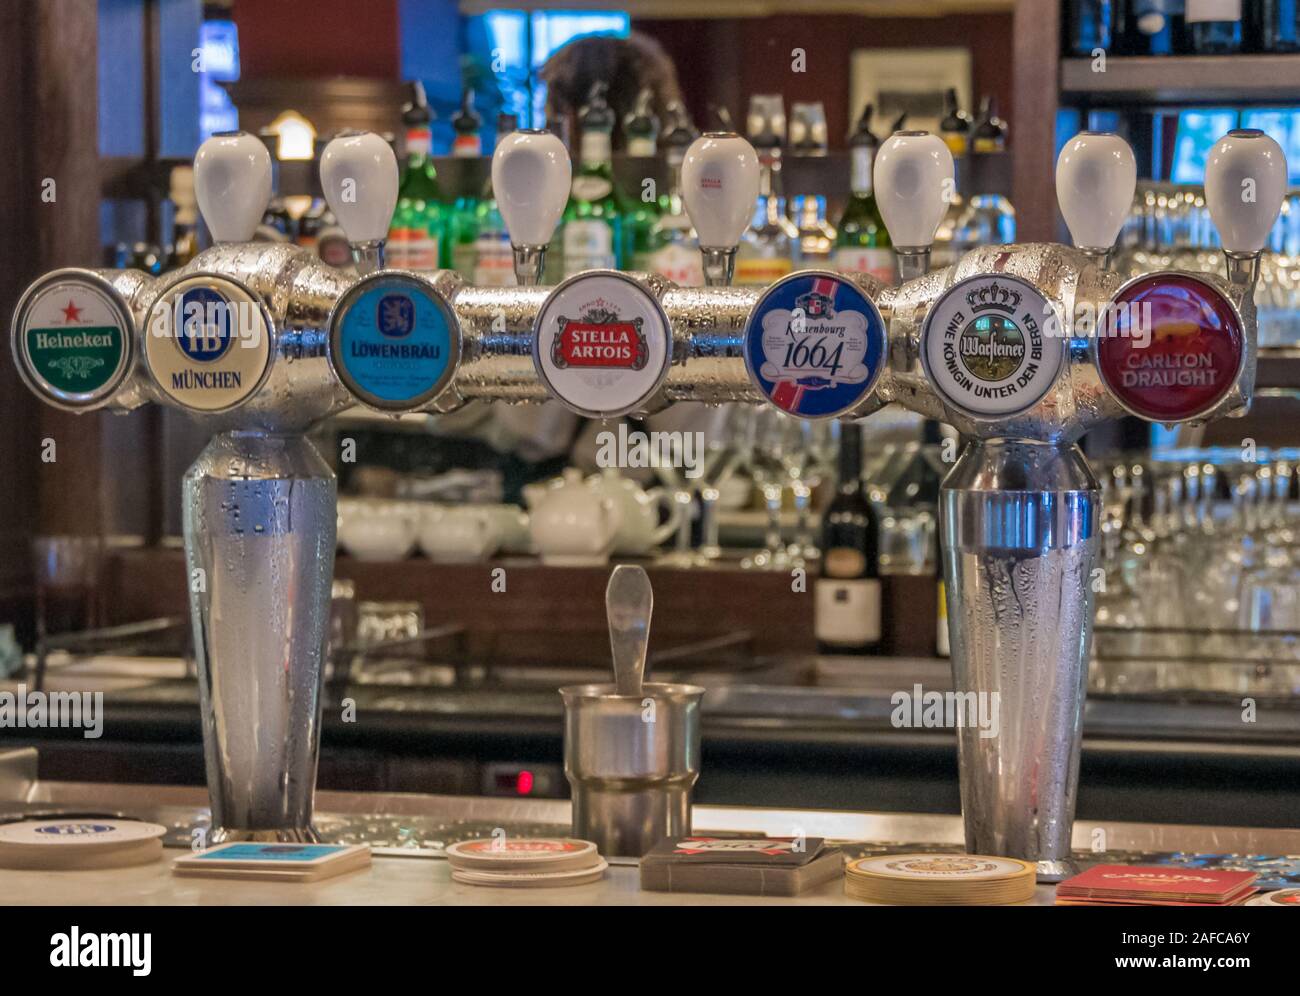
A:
1169	347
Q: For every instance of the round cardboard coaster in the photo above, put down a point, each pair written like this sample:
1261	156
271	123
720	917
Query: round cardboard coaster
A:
515	853
529	879
1283	897
78	833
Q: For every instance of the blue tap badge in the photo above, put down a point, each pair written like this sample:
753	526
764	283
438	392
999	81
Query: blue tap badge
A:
815	345
205	326
394	341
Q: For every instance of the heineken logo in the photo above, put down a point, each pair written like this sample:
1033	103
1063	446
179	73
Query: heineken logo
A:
73	338
986	349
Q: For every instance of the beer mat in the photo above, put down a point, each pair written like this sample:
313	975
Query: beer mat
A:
1138	882
140	852
527	878
276	862
514	854
767	851
940	880
1238	899
758	874
1282	897
82	834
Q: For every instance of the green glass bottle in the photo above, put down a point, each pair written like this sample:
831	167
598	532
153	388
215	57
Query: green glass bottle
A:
862	244
416	234
593	220
645	203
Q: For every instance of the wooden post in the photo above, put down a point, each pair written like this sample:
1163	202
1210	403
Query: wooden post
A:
1037	46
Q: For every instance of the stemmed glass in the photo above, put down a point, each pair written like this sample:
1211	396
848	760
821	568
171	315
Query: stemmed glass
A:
767	465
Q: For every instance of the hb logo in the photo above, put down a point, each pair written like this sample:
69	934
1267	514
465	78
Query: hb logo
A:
205	325
396	316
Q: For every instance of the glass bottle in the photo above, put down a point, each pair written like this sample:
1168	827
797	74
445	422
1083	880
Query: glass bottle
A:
766	250
1214	27
954	129
675	249
416	234
862	242
593	220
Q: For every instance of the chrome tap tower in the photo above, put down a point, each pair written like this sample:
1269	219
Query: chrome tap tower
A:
1022	348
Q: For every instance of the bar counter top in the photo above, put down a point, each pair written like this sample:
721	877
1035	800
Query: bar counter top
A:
409	830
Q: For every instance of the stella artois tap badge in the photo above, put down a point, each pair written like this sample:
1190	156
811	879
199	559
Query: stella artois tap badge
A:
992	346
602	344
815	345
72	339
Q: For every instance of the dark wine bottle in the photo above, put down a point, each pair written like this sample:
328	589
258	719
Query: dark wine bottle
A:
1276	26
847	608
1214	27
1150	27
1088	26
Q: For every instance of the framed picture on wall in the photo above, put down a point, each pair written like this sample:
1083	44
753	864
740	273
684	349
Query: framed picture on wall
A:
911	80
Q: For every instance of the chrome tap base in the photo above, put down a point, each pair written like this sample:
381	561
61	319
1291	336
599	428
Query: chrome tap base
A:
260	515
1020	544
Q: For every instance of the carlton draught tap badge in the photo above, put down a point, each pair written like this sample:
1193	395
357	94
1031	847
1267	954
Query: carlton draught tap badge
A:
1169	347
815	345
394	341
72	338
602	345
207	343
985	348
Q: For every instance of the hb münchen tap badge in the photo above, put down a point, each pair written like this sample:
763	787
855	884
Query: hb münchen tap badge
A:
815	345
992	346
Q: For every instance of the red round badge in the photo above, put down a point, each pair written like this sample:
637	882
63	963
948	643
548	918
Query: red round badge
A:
1169	347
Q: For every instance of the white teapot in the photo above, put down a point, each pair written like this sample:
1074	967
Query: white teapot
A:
460	534
571	525
639	530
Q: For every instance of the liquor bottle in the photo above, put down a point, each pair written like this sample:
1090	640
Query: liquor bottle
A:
468	144
816	234
185	221
766	250
415	236
1088	25
1275	26
493	257
593	224
643	207
846	613
990	134
641	127
954	129
1150	27
862	243
675	251
1214	26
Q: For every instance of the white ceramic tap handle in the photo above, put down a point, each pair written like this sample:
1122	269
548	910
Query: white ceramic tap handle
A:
1096	176
1245	183
531	179
914	185
232	184
358	175
720	179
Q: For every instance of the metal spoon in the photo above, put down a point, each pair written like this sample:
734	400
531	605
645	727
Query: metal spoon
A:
629	601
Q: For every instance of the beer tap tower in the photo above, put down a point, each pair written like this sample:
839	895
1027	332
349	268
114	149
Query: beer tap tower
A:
1022	348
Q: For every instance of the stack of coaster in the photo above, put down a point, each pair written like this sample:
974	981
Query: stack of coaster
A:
526	863
79	844
940	880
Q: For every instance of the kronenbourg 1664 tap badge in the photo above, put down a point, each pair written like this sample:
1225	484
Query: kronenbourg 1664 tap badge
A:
72	338
602	344
207	343
986	346
815	345
394	341
1170	347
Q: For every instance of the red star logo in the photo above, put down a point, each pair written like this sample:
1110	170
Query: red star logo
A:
72	313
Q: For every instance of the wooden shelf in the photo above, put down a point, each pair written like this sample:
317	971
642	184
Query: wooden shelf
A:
1195	80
